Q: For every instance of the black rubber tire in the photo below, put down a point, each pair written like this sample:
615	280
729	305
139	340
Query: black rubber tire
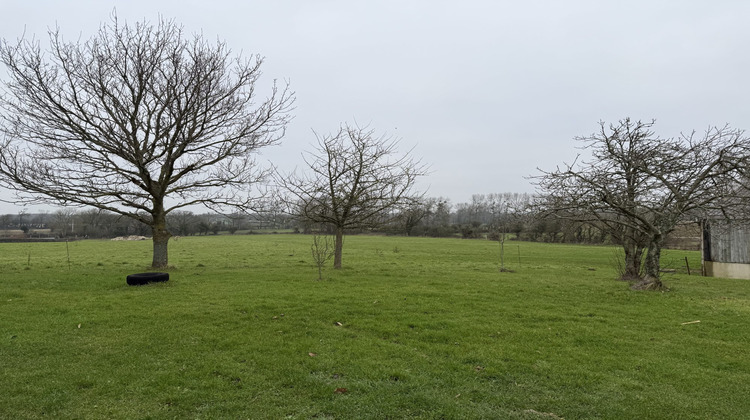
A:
144	278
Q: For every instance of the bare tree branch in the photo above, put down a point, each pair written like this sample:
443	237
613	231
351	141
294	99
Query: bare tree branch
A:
139	120
355	178
638	186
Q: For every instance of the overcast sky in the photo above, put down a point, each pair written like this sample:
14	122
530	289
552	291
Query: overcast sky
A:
485	91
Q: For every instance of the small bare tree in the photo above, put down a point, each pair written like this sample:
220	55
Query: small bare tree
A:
139	120
355	179
322	252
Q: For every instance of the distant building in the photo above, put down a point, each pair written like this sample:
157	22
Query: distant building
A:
726	249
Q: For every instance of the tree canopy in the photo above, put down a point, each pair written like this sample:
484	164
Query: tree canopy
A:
139	120
353	180
639	186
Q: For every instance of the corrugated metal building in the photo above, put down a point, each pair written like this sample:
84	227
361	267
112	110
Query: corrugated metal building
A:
726	249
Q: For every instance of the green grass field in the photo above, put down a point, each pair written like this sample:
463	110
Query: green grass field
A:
410	328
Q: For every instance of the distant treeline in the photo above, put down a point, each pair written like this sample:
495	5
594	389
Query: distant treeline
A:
487	216
94	223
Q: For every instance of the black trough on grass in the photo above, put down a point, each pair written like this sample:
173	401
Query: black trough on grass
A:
144	278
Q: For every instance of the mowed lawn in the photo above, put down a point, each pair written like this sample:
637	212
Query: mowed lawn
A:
409	328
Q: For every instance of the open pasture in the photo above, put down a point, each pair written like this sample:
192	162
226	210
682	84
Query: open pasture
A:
409	328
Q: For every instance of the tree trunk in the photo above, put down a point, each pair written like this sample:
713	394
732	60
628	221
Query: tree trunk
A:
653	260
339	245
161	237
652	280
633	258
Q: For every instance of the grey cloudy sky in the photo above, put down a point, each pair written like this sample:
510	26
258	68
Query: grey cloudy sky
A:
485	91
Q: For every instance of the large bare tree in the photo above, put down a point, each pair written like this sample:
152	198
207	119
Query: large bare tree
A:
355	180
139	120
638	186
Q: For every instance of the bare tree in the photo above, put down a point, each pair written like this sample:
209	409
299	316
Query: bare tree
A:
355	179
638	186
505	209
322	251
93	222
6	221
182	222
63	221
412	215
139	120
426	216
